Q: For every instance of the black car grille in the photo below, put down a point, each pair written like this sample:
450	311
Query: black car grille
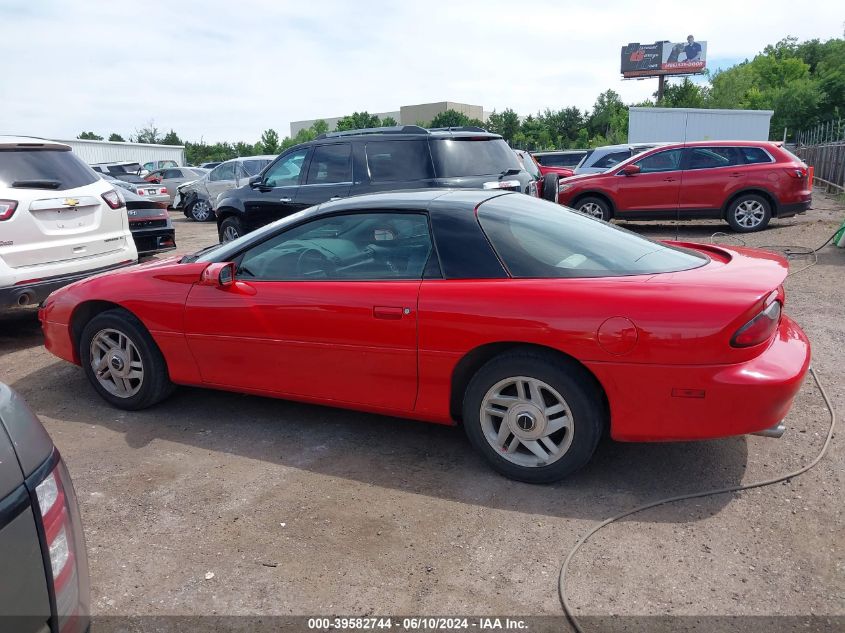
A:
147	224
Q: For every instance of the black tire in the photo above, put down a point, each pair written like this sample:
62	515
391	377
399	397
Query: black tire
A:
550	184
155	385
230	229
594	207
749	212
201	211
572	382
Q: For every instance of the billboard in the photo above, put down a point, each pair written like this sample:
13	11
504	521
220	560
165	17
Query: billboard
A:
664	58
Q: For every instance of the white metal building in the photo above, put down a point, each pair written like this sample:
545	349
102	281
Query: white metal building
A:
109	151
697	124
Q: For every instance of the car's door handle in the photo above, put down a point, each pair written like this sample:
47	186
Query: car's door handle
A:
736	175
669	179
390	313
285	200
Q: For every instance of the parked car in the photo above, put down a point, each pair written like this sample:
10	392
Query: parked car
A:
536	326
211	165
42	547
560	162
542	186
59	221
150	191
199	198
124	170
172	177
745	183
355	162
601	159
154	165
150	224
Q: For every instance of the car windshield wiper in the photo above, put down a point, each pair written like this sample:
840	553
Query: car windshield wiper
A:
512	171
187	259
36	184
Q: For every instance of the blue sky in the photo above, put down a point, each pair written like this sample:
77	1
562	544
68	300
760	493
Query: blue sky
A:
228	70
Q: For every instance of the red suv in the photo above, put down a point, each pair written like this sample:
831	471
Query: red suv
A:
745	183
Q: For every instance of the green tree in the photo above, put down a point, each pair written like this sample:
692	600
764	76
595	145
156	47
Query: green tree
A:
389	121
171	138
683	95
358	121
89	136
449	118
320	127
269	142
608	105
115	137
148	134
507	124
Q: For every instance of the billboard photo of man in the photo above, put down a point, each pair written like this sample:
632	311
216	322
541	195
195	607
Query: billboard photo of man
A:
684	57
692	49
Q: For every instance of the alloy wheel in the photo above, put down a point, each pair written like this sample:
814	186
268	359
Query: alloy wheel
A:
592	209
526	421
201	211
749	213
230	233
116	363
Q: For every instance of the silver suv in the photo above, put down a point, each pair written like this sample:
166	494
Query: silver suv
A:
603	158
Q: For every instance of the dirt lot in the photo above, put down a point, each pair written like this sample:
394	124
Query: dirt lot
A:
299	509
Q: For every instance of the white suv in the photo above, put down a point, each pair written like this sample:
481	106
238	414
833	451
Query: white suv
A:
59	221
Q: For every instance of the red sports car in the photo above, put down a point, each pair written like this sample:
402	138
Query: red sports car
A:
535	326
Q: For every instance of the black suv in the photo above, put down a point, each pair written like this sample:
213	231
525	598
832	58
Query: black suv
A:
341	164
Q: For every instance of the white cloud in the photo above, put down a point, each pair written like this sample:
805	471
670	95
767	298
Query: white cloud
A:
228	70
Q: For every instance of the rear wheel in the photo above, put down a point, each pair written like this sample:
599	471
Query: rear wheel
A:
231	229
749	212
122	361
534	418
595	207
550	185
201	211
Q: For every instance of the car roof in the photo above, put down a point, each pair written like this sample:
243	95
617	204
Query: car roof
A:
551	152
408	199
241	159
31	141
405	132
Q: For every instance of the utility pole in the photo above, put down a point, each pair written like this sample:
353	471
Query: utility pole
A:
661	83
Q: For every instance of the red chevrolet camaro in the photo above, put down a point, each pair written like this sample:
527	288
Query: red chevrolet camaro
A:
535	326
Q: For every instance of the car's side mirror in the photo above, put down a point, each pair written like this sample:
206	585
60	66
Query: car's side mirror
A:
630	170
255	181
220	274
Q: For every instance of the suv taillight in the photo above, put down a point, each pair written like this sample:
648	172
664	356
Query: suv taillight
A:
113	199
797	173
760	328
7	209
65	548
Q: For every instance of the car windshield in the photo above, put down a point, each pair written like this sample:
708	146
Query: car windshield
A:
43	169
458	157
539	239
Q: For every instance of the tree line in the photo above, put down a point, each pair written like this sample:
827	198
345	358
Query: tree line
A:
803	82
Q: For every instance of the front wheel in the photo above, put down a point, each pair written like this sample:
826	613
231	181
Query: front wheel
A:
749	213
595	207
123	362
534	418
231	229
551	181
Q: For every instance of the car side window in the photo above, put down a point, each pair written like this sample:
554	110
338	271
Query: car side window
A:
172	173
226	171
392	161
609	160
668	160
754	155
330	164
285	171
352	247
712	157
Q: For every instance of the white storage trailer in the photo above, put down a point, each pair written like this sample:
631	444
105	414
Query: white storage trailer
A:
111	152
697	124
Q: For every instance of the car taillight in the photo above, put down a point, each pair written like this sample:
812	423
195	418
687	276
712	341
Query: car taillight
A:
113	199
797	173
65	549
141	192
760	328
163	190
7	209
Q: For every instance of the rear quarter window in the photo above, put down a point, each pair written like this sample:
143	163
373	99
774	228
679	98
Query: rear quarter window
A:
44	169
458	157
391	161
539	239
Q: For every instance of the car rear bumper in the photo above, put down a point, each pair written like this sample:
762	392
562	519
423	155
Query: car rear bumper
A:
788	210
665	403
154	240
36	291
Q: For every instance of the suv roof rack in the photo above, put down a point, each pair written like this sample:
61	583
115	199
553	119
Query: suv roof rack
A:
458	128
397	129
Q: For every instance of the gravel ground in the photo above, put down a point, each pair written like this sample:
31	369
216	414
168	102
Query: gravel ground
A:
299	509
